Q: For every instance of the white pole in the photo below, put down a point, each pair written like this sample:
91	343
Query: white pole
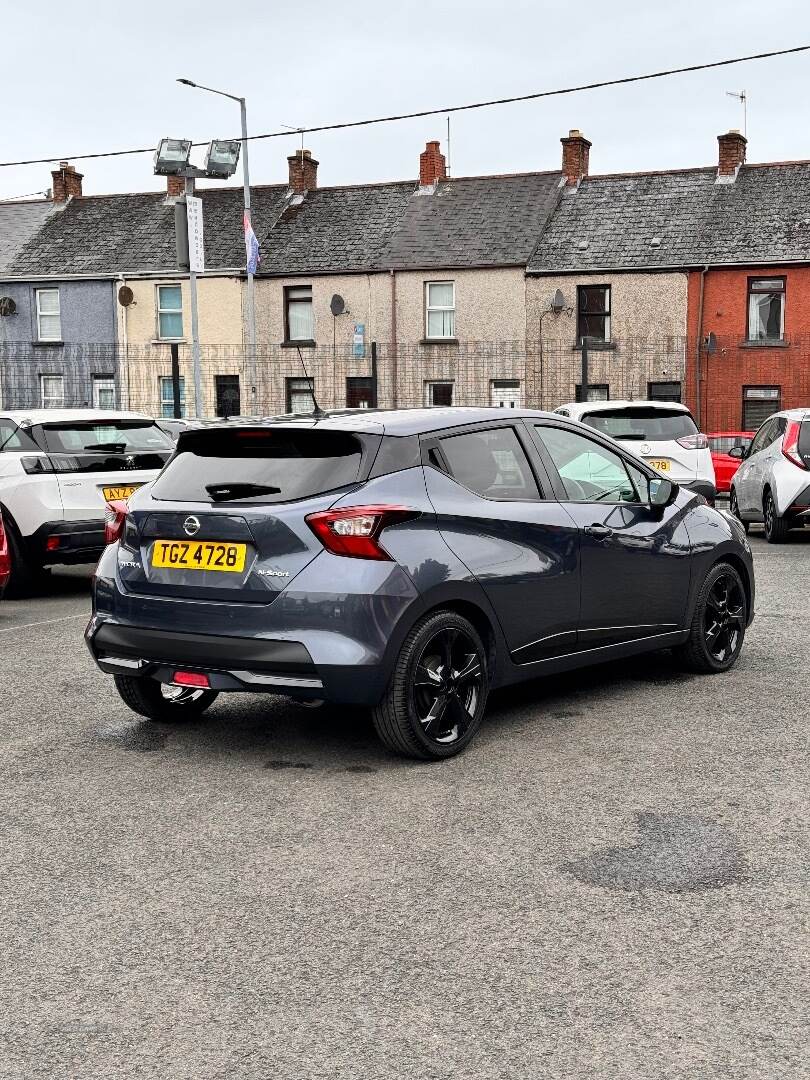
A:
195	325
251	307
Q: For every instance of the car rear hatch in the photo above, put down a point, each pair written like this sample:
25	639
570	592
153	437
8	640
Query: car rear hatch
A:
665	438
226	519
96	461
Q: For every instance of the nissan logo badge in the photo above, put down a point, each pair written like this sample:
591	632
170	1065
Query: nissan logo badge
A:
191	525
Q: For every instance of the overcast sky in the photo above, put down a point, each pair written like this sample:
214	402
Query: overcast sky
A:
86	77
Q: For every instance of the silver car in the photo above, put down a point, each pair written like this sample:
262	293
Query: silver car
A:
772	485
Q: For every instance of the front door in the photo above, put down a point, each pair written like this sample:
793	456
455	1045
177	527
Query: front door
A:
635	560
503	522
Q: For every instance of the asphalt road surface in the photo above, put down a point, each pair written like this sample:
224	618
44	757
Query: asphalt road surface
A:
611	882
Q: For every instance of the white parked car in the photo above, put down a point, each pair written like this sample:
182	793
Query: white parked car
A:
662	433
58	469
772	485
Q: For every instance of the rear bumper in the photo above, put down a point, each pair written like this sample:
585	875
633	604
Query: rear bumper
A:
276	666
78	541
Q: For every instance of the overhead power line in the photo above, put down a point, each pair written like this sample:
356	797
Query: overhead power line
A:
625	80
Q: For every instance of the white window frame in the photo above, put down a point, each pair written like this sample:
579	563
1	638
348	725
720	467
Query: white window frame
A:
169	311
291	298
167	399
50	400
430	383
39	293
439	307
100	383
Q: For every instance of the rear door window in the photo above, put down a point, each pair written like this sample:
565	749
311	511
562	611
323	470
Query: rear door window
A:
105	437
255	466
491	463
13	437
642	424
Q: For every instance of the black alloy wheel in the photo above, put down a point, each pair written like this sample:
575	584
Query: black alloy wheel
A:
719	622
734	510
776	528
436	699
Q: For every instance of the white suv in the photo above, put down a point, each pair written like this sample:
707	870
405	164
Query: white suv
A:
662	433
772	485
58	469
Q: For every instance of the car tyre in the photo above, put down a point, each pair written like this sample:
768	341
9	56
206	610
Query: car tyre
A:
161	703
776	527
26	572
718	625
437	696
734	510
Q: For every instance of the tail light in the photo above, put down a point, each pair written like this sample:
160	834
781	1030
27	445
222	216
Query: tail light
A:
115	517
35	466
355	530
698	441
790	443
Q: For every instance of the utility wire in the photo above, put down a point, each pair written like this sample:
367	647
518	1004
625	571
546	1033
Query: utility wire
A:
13	198
440	112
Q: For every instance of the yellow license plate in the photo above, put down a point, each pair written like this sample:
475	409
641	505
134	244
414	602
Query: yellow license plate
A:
659	463
123	492
199	555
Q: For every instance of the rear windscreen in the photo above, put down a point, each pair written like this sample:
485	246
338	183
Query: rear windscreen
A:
644	424
105	437
721	444
267	466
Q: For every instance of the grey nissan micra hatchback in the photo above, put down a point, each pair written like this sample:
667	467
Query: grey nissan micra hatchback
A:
408	561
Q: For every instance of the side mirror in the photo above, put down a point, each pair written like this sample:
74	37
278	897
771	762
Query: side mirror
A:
660	491
737	452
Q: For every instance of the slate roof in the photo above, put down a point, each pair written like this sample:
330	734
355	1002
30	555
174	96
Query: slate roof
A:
763	217
131	233
19	221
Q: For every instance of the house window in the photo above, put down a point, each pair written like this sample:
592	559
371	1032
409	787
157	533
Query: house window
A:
52	391
439	394
299	396
170	312
664	391
593	312
359	392
49	318
103	392
505	393
299	320
760	402
167	397
229	399
596	392
440	307
766	309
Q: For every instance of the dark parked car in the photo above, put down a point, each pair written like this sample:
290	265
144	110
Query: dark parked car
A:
408	561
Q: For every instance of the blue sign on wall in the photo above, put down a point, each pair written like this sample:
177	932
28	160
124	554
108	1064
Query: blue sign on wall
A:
359	340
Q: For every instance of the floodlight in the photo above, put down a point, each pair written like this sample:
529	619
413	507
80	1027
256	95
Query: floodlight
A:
221	158
171	156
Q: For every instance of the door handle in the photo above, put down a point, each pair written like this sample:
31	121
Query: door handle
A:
599	532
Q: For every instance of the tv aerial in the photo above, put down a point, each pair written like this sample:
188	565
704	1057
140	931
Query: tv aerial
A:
742	97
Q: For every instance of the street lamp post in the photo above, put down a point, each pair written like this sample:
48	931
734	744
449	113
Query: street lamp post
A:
251	308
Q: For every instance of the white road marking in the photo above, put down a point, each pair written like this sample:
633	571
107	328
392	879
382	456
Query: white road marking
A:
44	622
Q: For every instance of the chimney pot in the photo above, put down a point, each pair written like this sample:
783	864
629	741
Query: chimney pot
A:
731	152
303	172
67	183
432	164
576	151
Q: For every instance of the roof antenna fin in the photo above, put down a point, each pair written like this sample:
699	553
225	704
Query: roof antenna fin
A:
317	411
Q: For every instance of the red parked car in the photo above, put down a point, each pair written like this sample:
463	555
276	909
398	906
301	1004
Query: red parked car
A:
5	559
725	466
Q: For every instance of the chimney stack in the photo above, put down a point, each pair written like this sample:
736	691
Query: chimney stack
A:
432	166
175	187
731	155
67	183
303	172
576	149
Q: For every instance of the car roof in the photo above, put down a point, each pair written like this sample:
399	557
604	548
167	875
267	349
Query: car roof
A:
397	422
793	414
579	408
26	417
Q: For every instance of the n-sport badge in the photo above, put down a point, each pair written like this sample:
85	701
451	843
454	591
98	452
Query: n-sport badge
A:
191	526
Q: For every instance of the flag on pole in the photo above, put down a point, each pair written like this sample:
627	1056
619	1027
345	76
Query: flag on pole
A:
251	246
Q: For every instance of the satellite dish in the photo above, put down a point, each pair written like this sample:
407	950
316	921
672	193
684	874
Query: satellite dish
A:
125	296
7	305
337	305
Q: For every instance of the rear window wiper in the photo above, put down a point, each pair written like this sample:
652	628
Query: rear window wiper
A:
232	492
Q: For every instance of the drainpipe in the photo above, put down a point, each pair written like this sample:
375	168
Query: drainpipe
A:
393	340
698	396
123	370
